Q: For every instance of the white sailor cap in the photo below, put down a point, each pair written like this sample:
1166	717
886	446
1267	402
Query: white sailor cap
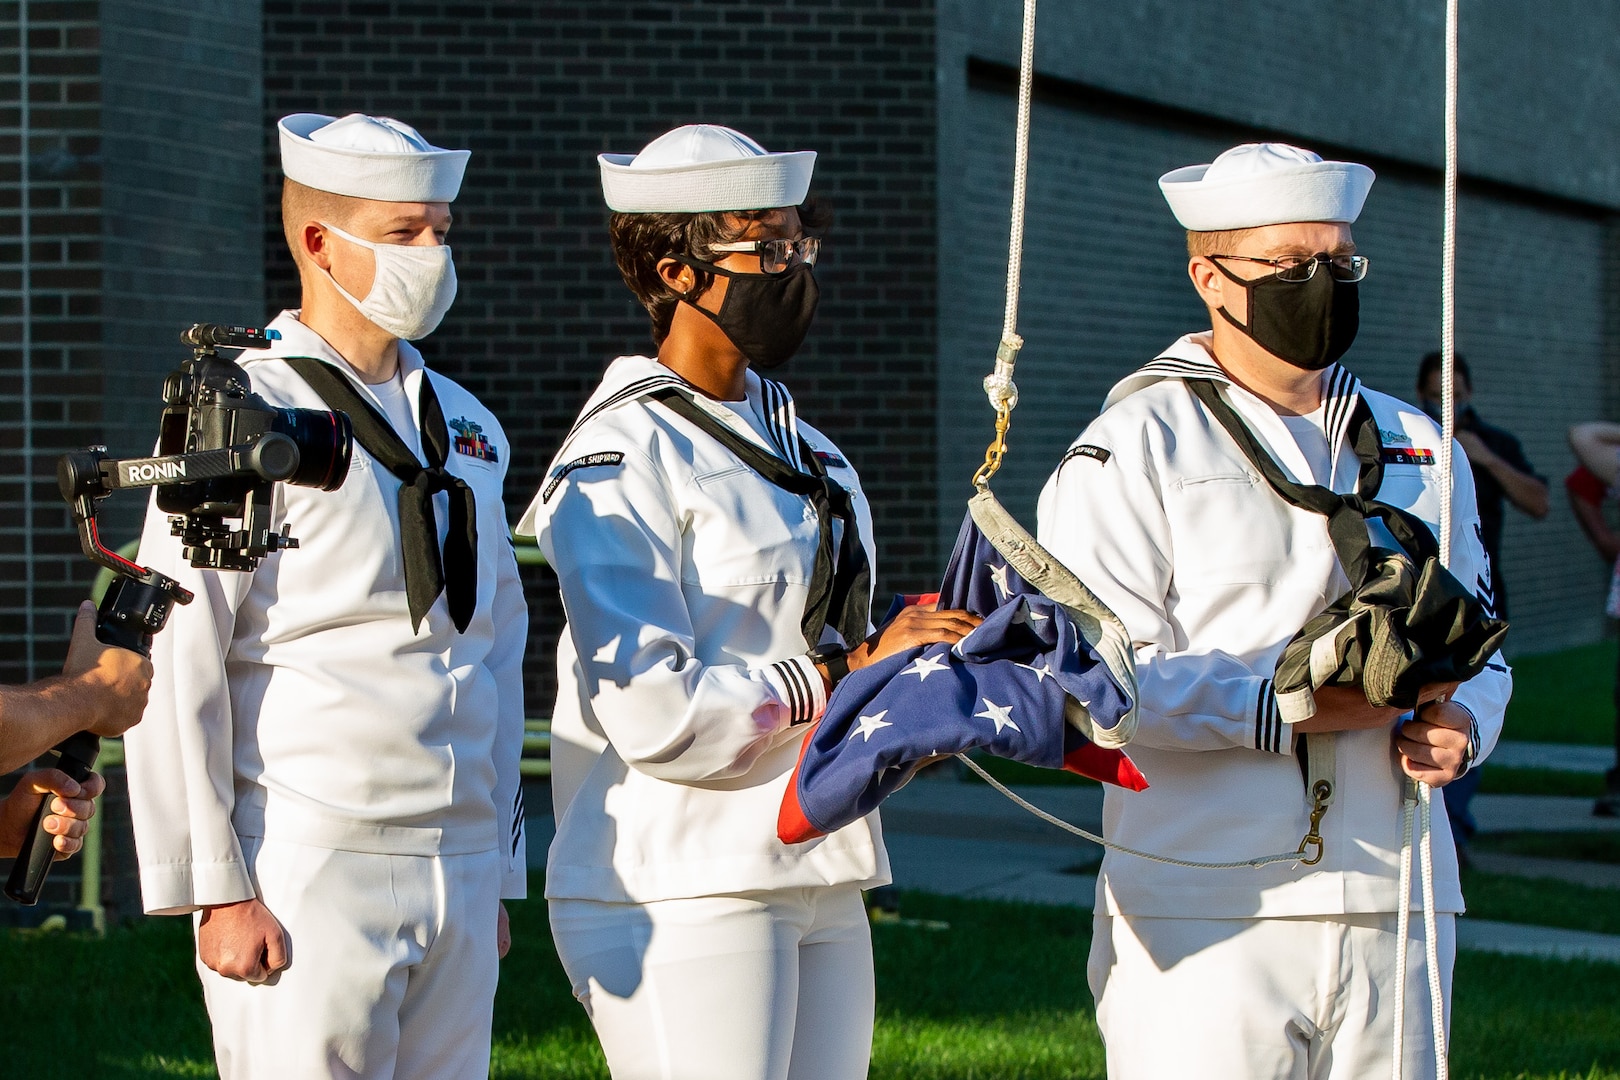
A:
1265	184
701	168
368	157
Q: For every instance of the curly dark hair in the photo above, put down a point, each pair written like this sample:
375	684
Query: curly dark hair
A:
641	240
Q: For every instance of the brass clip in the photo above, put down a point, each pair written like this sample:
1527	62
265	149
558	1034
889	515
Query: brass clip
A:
995	452
1321	796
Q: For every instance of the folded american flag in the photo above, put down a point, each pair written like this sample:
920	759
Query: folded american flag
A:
1001	689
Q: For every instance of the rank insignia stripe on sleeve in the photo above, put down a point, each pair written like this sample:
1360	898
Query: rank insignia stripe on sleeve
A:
604	457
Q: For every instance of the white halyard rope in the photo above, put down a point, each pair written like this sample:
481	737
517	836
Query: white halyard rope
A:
998	385
1425	794
1403	925
1052	819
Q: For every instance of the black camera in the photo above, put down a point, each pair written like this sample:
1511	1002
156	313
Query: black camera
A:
221	451
210	408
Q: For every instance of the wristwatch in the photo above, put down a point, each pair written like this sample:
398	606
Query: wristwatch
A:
833	657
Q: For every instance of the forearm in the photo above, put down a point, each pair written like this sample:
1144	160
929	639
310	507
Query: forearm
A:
1524	490
36	717
1207	701
1590	518
690	722
1597	446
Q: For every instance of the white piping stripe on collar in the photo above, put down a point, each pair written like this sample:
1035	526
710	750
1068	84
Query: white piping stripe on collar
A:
783	417
619	397
1342	391
1343	388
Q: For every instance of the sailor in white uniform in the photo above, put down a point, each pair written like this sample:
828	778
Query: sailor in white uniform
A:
327	774
715	560
1286	971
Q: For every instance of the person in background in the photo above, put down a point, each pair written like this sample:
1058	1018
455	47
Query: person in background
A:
1502	474
1597	448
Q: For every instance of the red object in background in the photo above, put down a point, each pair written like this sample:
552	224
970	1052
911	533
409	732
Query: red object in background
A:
1586	486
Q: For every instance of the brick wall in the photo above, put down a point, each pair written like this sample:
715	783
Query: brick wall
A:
537	90
50	305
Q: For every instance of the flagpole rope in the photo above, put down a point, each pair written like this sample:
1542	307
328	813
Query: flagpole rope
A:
1052	819
998	385
1448	433
1403	924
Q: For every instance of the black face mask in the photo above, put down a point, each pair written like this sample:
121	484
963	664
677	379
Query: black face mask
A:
765	315
1310	324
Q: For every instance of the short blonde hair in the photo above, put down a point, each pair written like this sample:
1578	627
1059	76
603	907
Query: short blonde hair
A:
301	203
1219	242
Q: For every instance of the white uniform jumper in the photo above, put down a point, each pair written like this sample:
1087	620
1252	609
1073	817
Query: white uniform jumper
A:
304	744
1157	509
684	574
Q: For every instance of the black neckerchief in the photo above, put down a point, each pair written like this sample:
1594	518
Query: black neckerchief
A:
1347	514
839	587
426	573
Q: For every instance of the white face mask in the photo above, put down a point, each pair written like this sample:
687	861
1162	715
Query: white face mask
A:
411	290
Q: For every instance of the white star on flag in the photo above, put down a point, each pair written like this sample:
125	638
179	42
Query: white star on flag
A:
870	724
924	666
1028	615
1040	672
998	574
1000	715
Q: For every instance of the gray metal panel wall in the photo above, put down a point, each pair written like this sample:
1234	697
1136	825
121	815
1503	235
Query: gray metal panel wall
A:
1539	103
1105	289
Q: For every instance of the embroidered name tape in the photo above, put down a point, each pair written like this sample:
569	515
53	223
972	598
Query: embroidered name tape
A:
470	440
604	457
1407	455
1095	453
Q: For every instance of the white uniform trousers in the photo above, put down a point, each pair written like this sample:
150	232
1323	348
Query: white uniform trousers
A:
391	974
773	985
1308	998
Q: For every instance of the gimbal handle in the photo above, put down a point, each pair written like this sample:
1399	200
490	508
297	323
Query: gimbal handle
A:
135	606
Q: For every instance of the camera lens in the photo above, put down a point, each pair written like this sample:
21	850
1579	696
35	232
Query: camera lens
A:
325	441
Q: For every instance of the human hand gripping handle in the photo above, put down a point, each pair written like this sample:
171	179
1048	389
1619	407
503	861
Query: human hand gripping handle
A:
70	806
118	674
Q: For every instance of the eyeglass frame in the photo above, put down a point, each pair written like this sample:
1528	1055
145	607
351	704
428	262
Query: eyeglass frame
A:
806	249
1312	261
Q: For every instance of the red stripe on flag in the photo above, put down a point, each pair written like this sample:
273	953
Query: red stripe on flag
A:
792	827
1109	766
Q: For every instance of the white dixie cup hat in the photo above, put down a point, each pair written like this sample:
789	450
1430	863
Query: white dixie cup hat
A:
368	157
704	168
1260	184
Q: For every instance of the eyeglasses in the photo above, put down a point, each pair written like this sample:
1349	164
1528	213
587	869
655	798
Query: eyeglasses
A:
1303	267
775	256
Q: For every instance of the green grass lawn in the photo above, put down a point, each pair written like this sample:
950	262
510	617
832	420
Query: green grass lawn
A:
1000	995
1542	902
1598	847
1564	697
1501	780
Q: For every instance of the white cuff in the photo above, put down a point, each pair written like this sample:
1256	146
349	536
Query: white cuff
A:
798	683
